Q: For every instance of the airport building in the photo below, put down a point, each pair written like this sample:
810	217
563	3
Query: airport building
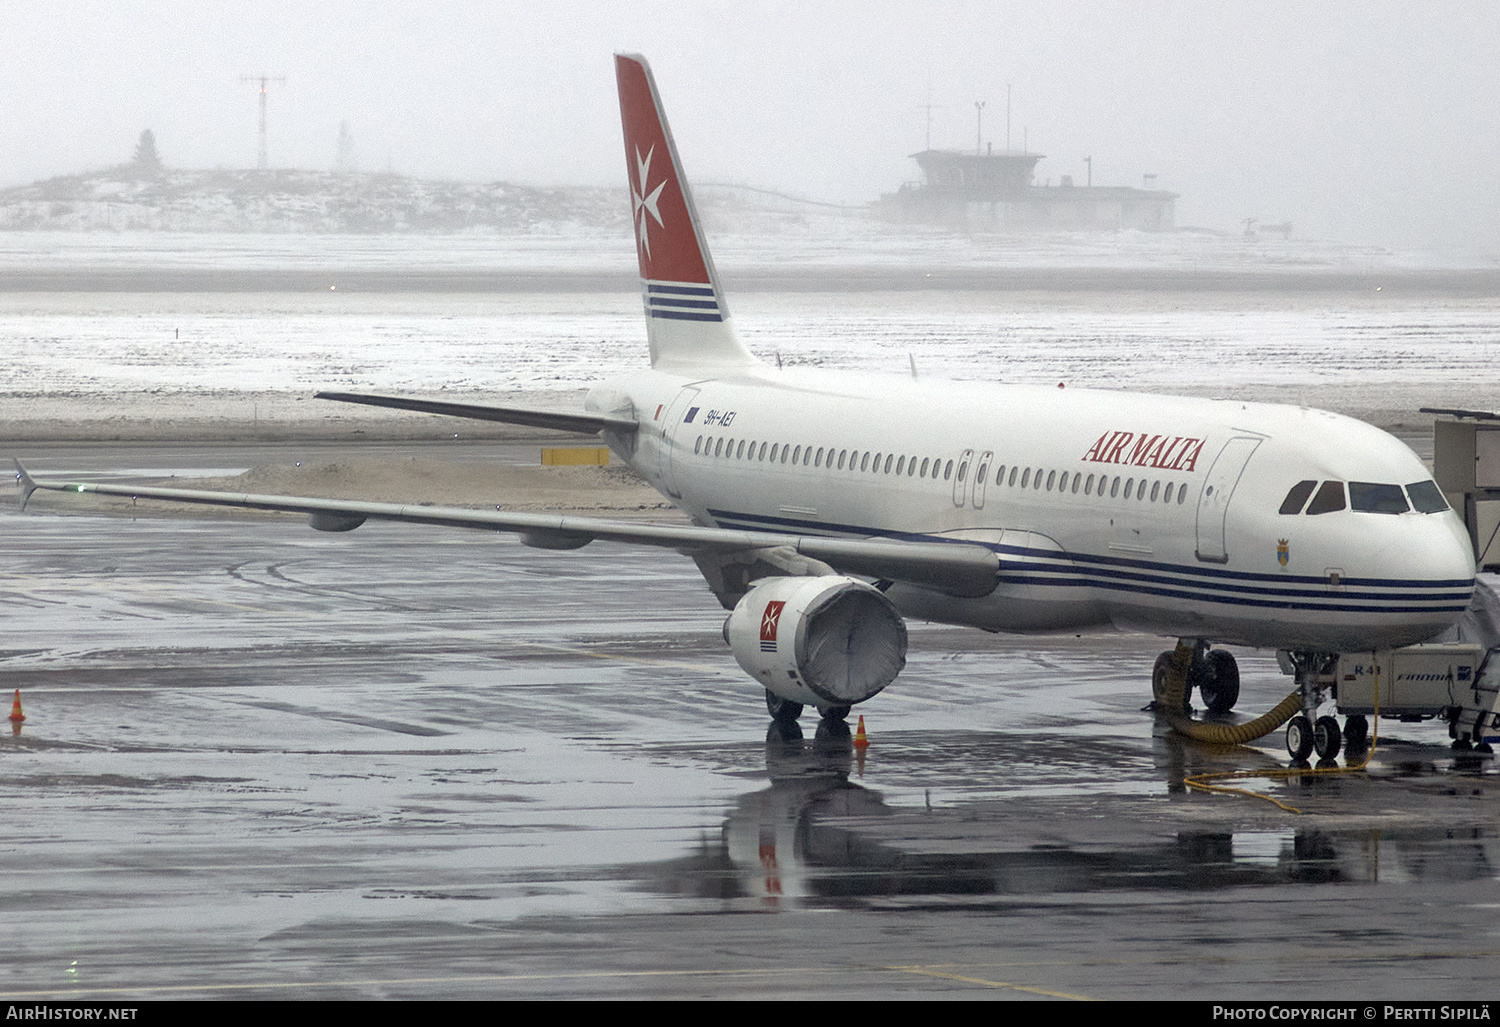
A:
998	192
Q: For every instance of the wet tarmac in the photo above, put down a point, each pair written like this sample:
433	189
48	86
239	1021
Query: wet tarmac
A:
260	761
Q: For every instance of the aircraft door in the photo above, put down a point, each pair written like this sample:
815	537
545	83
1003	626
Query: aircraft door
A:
674	426
981	472
1213	501
961	478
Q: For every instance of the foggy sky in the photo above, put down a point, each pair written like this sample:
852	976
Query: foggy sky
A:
1368	122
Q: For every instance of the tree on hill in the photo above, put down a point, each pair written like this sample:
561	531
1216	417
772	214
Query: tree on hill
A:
344	163
146	159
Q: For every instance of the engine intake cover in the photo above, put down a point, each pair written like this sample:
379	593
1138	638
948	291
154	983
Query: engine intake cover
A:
821	641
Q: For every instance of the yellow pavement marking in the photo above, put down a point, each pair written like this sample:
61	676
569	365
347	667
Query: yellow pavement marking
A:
924	972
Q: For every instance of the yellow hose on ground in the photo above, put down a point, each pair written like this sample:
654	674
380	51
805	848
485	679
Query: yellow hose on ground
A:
1236	734
1172	703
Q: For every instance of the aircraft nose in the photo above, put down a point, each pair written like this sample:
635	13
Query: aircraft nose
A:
1447	550
1431	549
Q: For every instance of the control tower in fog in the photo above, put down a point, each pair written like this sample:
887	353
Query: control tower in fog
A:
998	191
976	178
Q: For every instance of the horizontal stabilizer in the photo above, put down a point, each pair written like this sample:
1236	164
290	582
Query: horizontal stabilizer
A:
531	418
28	486
959	569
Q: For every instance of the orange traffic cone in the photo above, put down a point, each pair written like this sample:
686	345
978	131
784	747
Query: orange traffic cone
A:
860	741
16	716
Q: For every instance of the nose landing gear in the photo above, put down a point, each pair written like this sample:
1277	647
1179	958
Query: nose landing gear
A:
1299	737
1322	736
1308	733
1328	738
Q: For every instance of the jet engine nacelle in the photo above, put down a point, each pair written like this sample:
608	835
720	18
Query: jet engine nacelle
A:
322	521
819	641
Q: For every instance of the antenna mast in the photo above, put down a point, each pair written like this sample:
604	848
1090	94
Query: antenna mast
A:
929	107
261	160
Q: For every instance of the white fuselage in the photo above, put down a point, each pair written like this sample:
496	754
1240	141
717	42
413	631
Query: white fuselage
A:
1141	512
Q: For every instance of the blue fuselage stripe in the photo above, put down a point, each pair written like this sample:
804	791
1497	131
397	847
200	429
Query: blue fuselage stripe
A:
658	303
1331	605
1199	584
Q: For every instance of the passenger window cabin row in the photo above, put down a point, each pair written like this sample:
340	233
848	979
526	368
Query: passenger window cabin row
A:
1133	487
1007	476
1363	497
807	456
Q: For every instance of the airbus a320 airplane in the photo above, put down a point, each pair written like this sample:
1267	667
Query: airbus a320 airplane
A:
828	506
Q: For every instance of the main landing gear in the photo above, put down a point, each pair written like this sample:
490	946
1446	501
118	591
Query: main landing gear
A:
783	711
1213	672
786	712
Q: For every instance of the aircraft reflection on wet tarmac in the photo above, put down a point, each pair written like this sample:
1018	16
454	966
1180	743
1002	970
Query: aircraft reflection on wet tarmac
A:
814	838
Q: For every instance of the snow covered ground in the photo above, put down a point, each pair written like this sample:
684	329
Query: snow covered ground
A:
137	364
745	243
239	357
31	252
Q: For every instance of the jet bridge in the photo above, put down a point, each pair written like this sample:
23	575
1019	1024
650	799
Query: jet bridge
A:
1466	466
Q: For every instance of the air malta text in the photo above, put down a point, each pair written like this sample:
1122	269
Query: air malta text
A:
1126	447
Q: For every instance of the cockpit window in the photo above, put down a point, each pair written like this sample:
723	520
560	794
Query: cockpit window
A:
1426	497
1329	498
1370	497
1297	498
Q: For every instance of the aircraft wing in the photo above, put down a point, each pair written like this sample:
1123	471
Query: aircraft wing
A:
529	416
955	568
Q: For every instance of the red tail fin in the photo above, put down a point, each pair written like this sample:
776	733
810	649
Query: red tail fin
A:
686	316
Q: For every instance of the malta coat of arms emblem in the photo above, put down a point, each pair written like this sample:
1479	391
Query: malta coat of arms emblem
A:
1283	552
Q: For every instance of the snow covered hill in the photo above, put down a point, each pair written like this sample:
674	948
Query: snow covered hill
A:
126	199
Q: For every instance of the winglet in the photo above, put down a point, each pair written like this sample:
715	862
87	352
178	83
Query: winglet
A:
687	319
28	486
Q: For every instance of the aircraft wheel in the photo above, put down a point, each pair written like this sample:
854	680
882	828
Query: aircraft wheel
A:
1299	737
834	714
1327	738
1220	687
1356	732
782	710
1159	674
